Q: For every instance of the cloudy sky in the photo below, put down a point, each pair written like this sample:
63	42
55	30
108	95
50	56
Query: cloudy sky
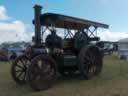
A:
16	17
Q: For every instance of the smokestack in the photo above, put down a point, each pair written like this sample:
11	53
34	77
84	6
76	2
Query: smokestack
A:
37	12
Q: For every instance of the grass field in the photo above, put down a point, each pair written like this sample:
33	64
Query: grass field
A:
113	81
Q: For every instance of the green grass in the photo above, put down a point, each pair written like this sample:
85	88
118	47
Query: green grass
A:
113	81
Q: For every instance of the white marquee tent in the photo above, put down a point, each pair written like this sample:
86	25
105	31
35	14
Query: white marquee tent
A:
123	48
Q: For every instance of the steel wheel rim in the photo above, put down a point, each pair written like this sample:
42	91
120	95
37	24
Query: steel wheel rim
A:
19	69
41	73
89	63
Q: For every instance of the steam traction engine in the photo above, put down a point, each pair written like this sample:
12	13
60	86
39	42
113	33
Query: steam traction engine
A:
75	52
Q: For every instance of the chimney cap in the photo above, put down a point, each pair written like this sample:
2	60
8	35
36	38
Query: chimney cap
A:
37	6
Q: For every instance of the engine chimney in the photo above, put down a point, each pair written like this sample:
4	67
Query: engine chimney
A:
37	12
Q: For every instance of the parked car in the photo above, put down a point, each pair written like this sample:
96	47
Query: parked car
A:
15	52
107	47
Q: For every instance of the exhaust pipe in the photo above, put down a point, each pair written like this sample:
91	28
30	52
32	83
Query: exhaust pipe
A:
37	14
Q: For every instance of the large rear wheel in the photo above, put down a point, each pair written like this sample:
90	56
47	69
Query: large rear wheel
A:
90	62
41	74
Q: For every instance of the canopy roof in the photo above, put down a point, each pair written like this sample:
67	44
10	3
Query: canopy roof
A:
62	21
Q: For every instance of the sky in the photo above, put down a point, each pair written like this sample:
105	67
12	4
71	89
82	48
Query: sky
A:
16	16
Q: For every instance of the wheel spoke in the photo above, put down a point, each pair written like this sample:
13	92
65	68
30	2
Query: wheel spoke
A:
86	58
35	75
24	76
20	74
47	68
24	63
49	74
19	66
39	65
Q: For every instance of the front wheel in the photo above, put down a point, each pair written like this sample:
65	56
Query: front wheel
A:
19	68
41	74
